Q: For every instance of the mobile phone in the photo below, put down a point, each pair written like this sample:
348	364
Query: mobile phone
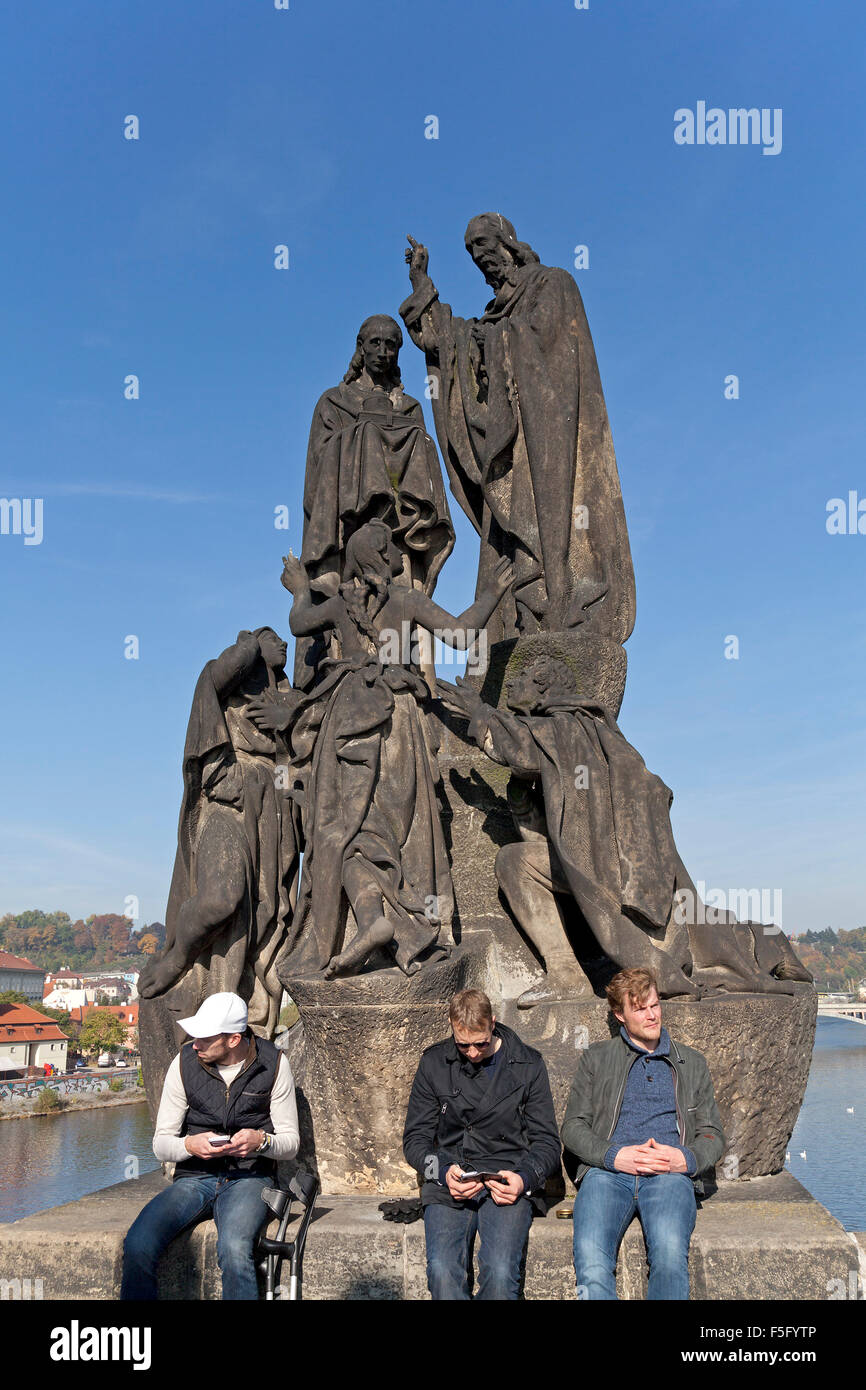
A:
217	1140
479	1177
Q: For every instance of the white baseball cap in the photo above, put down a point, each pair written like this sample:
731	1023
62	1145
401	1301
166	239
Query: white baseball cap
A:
220	1013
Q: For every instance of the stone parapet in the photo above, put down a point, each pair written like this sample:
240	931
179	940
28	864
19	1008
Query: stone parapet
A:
760	1240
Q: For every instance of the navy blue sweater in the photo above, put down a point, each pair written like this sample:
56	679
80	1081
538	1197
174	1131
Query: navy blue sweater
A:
649	1109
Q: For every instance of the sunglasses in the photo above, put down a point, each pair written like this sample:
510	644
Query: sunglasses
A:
464	1047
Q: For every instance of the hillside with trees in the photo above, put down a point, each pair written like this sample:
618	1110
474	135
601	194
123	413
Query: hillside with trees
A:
52	940
836	959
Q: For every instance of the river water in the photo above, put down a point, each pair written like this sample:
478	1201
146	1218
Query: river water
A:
51	1159
832	1139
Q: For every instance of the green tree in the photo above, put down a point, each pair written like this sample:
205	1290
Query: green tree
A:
12	996
100	1032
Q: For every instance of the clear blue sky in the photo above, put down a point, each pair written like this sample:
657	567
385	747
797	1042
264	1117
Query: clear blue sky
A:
306	127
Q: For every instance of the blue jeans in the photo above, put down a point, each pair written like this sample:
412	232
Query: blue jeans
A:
239	1212
604	1206
450	1233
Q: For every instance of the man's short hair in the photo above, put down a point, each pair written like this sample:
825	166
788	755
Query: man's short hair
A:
472	1010
635	985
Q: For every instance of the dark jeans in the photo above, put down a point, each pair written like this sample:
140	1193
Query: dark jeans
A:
239	1212
450	1233
604	1206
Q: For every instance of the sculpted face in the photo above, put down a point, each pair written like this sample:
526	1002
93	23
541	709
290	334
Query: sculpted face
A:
523	693
487	251
395	558
274	651
380	343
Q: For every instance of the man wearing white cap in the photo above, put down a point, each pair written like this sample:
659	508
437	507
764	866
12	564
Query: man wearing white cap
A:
226	1115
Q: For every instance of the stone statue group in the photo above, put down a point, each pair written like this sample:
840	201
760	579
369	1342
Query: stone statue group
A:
311	840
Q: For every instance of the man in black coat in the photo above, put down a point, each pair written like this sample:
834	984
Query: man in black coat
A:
481	1131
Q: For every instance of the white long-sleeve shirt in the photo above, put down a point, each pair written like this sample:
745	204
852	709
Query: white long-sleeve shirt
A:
169	1147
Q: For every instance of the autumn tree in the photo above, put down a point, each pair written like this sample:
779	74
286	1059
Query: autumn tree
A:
100	1032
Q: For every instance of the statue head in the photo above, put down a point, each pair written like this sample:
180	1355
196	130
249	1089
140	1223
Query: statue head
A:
272	647
546	681
492	243
377	348
372	554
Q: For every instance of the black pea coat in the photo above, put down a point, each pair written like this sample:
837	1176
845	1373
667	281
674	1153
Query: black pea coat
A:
512	1127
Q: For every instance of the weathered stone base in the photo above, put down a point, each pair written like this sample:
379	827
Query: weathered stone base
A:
354	1055
758	1240
356	1052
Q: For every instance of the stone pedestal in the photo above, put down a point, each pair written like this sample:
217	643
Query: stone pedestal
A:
354	1055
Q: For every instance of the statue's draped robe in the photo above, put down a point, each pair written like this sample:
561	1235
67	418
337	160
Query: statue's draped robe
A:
608	820
363	753
369	456
610	826
229	777
524	433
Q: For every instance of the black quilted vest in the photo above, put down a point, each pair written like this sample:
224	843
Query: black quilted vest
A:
245	1104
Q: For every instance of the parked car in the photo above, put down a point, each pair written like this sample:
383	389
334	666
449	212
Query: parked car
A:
105	1060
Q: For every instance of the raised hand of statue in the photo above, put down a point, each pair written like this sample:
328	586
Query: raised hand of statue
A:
269	713
294	576
417	259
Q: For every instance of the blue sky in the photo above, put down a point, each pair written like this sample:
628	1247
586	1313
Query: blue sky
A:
306	127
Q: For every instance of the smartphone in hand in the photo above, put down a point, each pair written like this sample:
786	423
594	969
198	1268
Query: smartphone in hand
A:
217	1140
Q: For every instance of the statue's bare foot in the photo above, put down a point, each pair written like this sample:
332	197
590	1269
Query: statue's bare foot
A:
379	933
556	989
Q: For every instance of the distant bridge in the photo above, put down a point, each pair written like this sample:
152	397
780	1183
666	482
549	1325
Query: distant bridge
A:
855	1013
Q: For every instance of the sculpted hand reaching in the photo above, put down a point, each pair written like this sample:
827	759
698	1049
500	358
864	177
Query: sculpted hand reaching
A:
417	259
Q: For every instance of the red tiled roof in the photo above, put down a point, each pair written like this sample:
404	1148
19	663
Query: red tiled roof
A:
17	1014
10	962
19	1035
122	1011
18	1023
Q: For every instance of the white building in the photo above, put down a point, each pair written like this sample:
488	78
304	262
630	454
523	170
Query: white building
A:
29	1039
64	998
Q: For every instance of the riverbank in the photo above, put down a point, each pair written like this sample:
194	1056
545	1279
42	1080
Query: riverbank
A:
100	1101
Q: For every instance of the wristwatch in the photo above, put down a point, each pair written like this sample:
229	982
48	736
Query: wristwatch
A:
266	1142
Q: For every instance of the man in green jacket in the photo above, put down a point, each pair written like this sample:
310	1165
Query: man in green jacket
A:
643	1123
